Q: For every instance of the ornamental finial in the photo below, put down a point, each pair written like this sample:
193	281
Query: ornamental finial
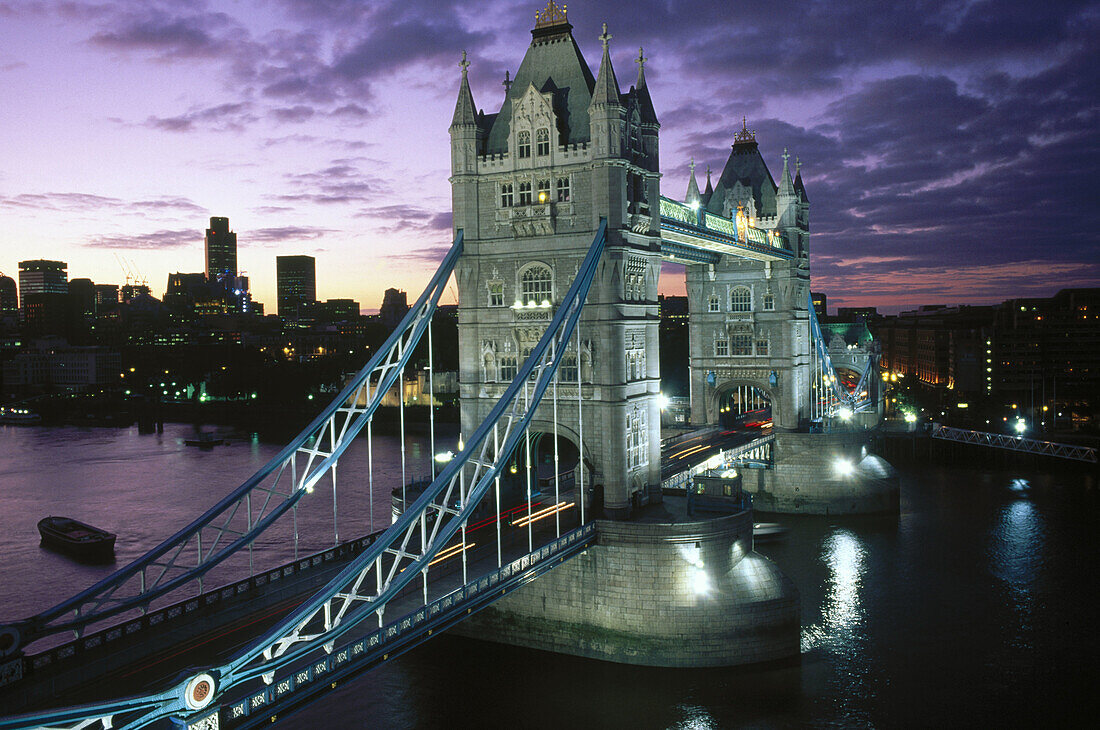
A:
745	135
786	156
507	83
640	60
797	165
551	15
605	37
464	64
692	165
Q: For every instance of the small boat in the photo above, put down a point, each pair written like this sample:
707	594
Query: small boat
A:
768	531
19	416
76	538
205	441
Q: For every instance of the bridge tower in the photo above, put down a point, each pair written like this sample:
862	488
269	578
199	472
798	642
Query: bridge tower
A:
748	322
530	185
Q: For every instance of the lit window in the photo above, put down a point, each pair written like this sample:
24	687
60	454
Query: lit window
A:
542	142
525	193
741	300
506	195
563	190
523	144
536	285
496	293
544	191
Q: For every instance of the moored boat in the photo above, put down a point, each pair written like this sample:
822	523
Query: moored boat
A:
77	539
205	441
768	531
15	415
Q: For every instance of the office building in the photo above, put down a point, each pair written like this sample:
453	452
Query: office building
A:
221	251
9	296
296	284
41	276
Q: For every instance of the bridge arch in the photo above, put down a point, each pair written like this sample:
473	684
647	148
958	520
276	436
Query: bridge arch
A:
733	401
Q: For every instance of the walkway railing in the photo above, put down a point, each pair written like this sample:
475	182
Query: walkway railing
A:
757	450
1016	443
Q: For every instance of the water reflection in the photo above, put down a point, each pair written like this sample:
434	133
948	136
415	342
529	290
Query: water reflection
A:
841	612
694	718
1016	548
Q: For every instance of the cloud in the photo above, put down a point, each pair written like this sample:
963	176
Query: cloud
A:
148	241
282	234
92	202
340	182
234	116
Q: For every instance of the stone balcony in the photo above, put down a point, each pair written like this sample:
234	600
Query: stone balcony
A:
531	220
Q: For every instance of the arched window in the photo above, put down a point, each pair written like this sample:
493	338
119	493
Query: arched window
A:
543	191
769	302
508	368
712	303
563	190
523	144
741	299
506	195
542	142
536	285
525	193
568	371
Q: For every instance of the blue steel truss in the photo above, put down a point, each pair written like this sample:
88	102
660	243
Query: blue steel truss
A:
377	576
232	524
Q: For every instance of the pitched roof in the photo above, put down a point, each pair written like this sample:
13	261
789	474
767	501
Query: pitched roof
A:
553	64
641	93
747	166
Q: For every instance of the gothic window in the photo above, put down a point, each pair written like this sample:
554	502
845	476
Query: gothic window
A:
741	299
544	191
563	190
568	370
536	285
769	302
508	368
496	293
542	142
506	195
721	347
712	303
525	193
742	344
637	439
534	374
523	144
762	346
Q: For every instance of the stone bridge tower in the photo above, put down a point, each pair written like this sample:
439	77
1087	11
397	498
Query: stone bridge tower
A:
748	322
530	185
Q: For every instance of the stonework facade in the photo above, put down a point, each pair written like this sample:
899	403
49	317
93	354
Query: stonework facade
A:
530	186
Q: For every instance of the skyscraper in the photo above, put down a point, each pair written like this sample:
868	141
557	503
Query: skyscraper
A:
41	276
395	304
82	297
221	250
296	284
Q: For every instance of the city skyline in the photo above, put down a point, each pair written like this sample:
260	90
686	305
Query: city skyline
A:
936	142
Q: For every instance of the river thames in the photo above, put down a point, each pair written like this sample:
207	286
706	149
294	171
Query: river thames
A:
976	606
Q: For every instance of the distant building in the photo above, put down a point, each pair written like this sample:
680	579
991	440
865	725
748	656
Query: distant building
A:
131	291
395	305
821	304
852	315
66	367
339	310
41	276
106	297
673	307
296	285
82	297
47	314
221	251
9	296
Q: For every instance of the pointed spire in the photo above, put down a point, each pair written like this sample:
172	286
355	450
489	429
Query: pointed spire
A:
786	185
709	191
645	103
607	86
465	111
693	187
798	186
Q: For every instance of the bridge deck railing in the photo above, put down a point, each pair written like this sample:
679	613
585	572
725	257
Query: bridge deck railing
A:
1016	443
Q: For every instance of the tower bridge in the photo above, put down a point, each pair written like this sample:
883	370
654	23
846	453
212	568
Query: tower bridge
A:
560	233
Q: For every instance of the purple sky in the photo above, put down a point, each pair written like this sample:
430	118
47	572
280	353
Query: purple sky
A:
950	149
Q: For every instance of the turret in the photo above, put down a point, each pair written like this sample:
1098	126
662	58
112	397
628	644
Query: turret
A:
786	198
606	110
464	127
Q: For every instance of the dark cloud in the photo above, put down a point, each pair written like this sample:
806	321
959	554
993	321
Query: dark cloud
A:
340	182
233	117
282	234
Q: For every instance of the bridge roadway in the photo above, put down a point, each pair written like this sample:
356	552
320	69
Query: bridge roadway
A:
198	634
157	657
